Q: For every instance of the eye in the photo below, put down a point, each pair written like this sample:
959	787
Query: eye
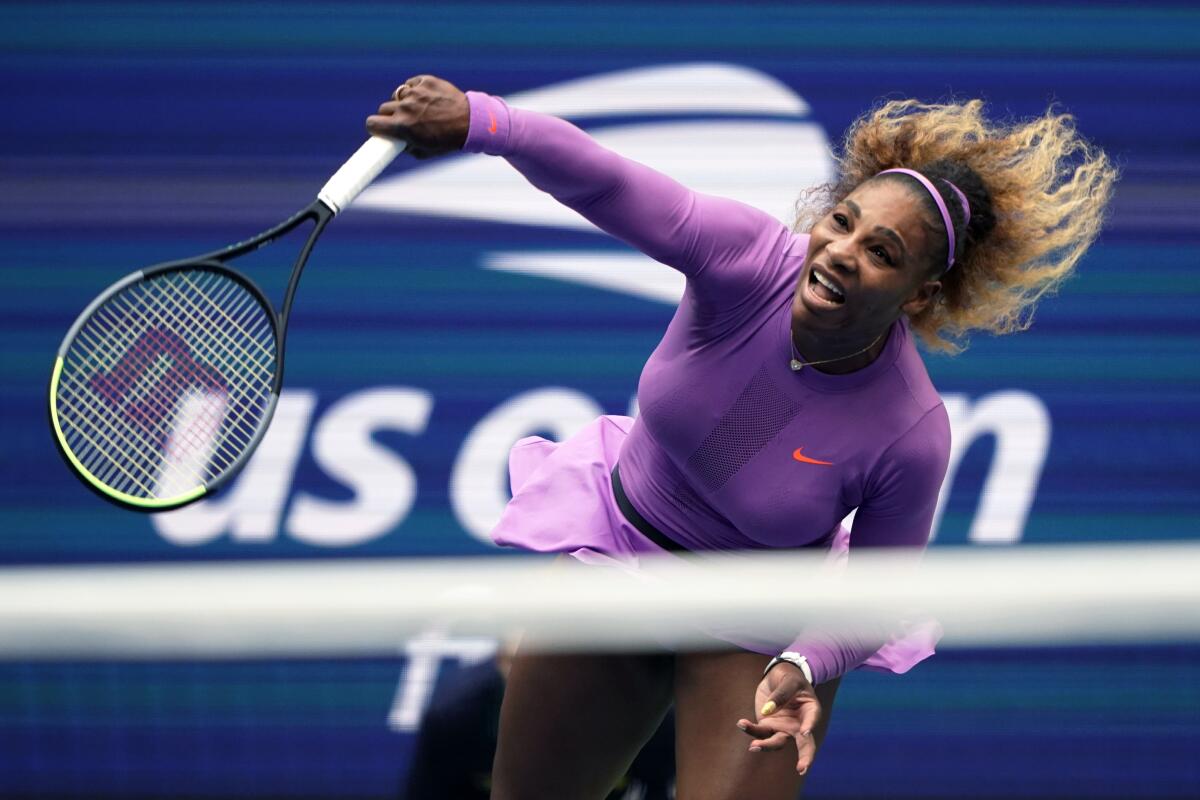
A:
840	220
882	254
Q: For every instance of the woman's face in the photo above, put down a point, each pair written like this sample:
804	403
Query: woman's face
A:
874	250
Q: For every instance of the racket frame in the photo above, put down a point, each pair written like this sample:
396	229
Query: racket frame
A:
320	215
338	192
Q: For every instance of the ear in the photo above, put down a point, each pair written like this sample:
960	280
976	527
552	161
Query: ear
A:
925	294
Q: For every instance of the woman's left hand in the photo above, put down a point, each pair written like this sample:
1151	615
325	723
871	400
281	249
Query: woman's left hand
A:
788	709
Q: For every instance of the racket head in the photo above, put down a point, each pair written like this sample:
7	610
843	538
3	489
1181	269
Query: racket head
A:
166	383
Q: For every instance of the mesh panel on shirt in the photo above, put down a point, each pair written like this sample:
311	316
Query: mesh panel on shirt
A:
685	499
760	412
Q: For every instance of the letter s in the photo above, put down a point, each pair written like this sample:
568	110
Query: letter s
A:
383	482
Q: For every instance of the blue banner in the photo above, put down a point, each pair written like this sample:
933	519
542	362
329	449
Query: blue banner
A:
453	310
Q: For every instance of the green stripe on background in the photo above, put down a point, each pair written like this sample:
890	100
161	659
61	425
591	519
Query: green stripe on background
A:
285	27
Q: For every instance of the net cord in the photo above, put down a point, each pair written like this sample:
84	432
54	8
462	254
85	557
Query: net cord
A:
1028	595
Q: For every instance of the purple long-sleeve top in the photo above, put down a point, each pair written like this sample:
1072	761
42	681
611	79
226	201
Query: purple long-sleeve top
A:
732	449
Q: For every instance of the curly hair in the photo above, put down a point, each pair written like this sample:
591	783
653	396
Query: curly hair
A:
1037	191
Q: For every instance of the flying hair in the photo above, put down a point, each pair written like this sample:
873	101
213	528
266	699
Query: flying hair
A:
1037	191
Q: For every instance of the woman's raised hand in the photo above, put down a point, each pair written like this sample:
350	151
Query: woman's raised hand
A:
428	113
788	709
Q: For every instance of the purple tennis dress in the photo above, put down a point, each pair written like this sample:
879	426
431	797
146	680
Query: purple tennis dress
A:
732	449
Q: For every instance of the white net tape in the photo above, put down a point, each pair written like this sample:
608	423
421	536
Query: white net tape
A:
995	597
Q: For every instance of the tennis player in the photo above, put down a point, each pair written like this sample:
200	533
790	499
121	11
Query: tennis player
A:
786	392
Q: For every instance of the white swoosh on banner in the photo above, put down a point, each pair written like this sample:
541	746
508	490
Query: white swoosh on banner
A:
762	162
719	89
620	272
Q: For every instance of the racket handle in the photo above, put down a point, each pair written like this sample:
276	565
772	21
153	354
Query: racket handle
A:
362	168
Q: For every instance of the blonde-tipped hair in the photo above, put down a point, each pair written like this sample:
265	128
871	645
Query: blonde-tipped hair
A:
1048	189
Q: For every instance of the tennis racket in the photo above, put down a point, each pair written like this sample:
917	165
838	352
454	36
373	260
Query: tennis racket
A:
167	381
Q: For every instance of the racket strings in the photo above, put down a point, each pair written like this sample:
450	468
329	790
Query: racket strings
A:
258	372
113	434
142	432
241	363
167	383
110	433
197	377
143	369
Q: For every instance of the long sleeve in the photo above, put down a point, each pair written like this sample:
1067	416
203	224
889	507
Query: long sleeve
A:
897	513
726	249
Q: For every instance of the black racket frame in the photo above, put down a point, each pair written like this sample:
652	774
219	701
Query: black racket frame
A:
216	261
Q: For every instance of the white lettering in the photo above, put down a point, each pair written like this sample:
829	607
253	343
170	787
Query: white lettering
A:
425	655
1021	425
384	484
250	510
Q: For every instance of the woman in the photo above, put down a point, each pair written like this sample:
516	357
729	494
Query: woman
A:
786	392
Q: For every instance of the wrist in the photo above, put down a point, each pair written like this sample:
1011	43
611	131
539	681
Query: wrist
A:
795	659
488	125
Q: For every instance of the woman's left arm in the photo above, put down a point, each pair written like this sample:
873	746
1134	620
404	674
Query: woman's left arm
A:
896	514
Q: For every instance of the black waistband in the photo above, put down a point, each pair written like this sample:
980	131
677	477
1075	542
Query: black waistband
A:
638	521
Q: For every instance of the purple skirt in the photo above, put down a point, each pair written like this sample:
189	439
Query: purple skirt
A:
563	503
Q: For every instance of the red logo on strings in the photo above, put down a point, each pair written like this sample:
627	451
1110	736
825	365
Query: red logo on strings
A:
145	398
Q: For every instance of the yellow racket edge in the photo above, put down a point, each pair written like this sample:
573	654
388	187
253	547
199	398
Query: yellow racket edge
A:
147	503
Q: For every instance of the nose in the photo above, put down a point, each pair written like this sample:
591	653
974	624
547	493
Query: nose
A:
842	254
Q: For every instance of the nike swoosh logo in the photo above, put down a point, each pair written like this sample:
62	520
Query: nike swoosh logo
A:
799	456
492	117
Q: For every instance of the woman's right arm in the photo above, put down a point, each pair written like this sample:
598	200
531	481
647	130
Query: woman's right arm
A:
692	232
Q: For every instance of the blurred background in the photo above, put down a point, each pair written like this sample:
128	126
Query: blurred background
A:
453	311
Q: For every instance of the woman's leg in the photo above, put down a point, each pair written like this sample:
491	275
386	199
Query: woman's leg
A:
571	724
713	762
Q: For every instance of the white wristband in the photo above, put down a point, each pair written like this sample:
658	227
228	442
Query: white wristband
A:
794	659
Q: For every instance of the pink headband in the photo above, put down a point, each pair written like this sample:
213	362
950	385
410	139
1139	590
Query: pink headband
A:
937	198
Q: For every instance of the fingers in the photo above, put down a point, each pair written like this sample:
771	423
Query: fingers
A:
806	750
432	116
774	734
378	125
786	683
396	115
776	741
764	737
393	119
408	84
809	715
754	728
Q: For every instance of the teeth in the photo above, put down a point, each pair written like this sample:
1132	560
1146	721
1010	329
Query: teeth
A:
827	284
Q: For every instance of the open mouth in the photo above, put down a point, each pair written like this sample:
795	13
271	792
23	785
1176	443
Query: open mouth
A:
824	288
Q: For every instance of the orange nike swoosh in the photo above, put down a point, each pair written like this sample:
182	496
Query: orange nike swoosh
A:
492	117
799	456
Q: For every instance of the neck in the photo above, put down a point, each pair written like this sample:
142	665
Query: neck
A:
851	352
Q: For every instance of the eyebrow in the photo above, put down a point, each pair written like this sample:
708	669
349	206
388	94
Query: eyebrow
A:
888	232
895	237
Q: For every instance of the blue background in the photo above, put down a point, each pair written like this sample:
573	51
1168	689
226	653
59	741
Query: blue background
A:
139	132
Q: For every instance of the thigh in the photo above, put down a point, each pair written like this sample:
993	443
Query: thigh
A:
571	724
712	691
